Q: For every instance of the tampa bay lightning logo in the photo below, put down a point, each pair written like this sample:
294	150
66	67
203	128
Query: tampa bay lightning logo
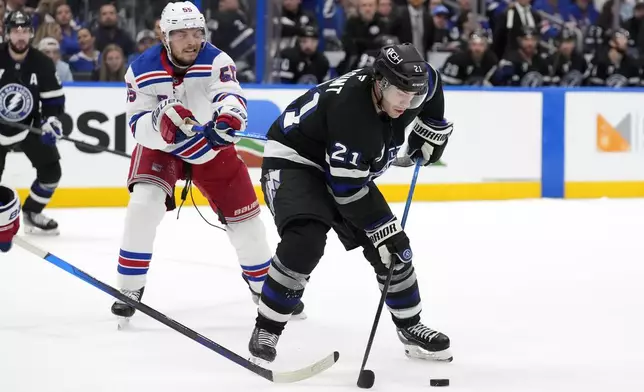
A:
16	102
407	255
616	80
573	78
532	79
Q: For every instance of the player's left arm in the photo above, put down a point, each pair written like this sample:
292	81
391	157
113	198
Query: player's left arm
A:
228	102
52	100
430	130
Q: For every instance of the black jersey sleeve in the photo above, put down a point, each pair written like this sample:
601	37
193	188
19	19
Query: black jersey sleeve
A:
350	151
52	96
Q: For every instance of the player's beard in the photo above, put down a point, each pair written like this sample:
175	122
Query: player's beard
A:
17	50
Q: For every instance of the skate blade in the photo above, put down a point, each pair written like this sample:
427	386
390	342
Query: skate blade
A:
301	316
416	352
32	230
123	323
259	362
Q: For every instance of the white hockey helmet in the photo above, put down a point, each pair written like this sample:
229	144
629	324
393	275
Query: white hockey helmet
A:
180	15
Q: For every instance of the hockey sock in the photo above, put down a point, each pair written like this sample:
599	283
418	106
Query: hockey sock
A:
39	196
144	213
249	239
403	296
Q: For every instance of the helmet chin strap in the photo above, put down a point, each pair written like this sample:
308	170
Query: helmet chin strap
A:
171	58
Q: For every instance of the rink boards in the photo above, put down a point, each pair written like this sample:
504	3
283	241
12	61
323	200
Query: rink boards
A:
507	144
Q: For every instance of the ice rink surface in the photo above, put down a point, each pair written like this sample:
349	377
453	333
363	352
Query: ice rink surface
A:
536	295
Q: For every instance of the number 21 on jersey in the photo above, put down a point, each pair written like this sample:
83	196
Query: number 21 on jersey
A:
294	116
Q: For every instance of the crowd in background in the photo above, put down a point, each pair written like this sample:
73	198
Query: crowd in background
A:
491	42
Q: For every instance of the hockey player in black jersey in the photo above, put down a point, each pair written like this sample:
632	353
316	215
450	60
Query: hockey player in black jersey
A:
566	67
30	94
303	64
614	67
474	66
320	160
524	66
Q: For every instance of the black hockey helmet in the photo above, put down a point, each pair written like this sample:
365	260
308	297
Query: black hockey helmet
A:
17	19
567	35
309	31
402	66
479	35
528	32
385	40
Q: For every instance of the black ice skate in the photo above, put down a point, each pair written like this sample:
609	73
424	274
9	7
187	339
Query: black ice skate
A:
38	223
298	312
425	343
262	346
124	311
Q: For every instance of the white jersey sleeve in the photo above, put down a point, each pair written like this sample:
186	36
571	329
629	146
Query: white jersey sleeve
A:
224	88
139	108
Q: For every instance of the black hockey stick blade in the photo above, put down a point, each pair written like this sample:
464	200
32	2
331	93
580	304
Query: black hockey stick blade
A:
38	131
276	377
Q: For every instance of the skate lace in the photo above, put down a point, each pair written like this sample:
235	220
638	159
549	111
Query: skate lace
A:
267	339
133	294
422	332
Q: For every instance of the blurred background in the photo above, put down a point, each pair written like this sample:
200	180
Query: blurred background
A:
473	42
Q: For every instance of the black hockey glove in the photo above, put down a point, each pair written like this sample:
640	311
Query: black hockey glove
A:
428	139
391	242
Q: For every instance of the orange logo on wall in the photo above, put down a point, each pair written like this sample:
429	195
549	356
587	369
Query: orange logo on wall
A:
614	138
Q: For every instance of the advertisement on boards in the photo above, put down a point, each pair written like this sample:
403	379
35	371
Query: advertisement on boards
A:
497	138
604	137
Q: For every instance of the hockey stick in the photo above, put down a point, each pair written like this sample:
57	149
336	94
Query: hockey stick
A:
38	131
366	377
276	377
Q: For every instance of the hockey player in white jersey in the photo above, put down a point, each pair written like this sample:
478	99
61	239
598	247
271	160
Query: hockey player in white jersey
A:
182	82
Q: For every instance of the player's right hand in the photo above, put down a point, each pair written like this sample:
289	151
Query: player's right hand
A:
9	217
391	242
168	118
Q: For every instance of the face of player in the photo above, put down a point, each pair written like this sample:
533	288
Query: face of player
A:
291	5
478	48
185	45
566	48
308	45
620	42
529	44
19	39
395	101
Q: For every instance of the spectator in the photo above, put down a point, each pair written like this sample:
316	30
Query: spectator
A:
556	8
157	29
635	26
443	40
43	13
386	12
145	39
433	4
2	12
583	13
360	34
511	24
65	19
416	26
112	67
597	35
303	64
14	5
51	48
232	34
108	31
87	60
48	29
293	18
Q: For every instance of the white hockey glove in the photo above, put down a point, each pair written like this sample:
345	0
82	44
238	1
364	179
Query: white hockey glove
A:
391	242
226	121
170	119
9	217
428	139
52	131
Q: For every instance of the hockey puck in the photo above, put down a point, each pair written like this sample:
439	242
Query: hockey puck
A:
439	382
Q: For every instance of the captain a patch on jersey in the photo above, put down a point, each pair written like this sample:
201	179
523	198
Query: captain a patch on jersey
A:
16	102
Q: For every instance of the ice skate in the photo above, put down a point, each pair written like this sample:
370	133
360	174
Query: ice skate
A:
124	311
39	224
424	343
262	346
